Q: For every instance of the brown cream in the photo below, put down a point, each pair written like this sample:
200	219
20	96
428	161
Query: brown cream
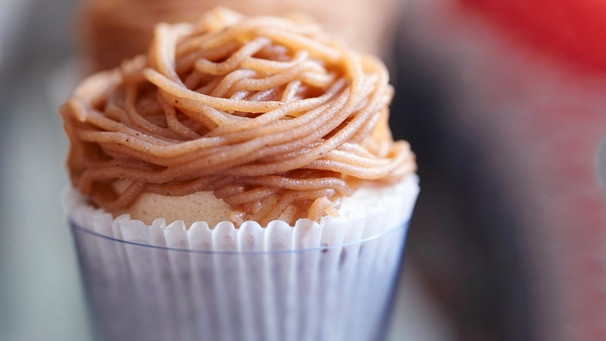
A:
274	117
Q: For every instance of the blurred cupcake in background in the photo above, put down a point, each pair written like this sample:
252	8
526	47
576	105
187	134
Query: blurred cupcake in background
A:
111	30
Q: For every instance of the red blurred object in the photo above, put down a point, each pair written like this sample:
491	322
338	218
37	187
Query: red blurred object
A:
571	30
528	79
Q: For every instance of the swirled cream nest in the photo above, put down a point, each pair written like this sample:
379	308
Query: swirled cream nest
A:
269	115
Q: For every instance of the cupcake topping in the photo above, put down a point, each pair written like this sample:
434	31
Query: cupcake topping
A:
276	118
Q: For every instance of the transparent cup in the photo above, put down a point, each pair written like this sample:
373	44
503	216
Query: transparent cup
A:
143	292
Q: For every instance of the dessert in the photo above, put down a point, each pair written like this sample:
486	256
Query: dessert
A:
239	182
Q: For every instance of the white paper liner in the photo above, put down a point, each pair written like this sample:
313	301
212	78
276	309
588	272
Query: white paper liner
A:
330	281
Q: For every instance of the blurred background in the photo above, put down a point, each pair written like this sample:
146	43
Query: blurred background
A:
503	102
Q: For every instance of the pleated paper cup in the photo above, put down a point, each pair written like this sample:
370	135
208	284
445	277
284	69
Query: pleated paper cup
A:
331	281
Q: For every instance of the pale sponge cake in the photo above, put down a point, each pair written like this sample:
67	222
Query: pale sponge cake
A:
188	208
274	117
204	206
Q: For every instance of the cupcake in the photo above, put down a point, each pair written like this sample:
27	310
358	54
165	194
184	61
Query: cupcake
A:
111	30
239	182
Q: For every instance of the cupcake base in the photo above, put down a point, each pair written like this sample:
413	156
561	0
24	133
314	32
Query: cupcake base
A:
140	292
